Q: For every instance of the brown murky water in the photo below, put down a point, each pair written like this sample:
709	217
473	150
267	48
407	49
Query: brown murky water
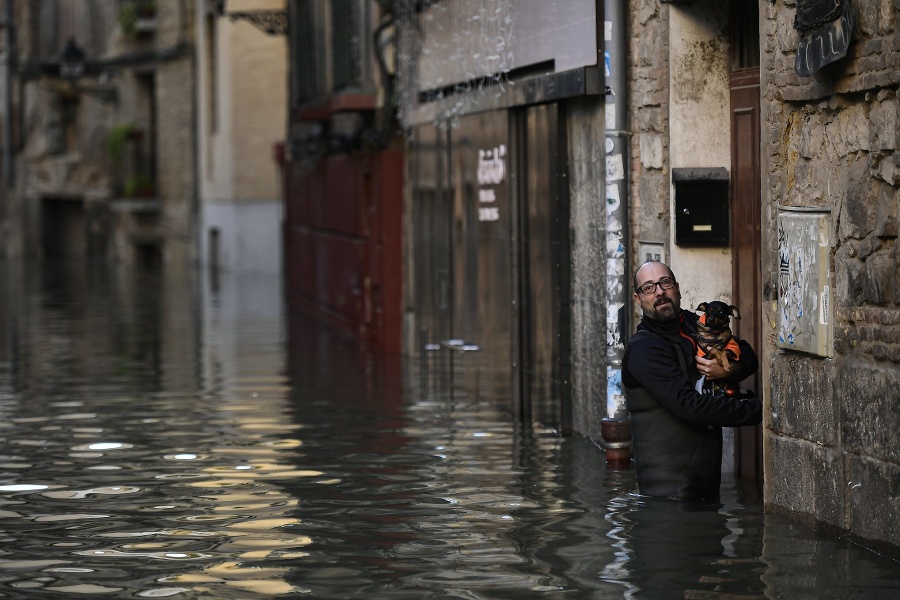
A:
173	436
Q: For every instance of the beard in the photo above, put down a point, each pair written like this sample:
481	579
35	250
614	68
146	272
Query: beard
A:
664	310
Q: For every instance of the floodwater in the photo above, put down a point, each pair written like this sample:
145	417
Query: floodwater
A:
176	436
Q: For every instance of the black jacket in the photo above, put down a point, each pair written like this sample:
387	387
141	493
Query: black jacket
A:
676	431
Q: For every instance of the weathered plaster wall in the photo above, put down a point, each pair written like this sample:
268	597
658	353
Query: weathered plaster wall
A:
699	96
586	178
832	454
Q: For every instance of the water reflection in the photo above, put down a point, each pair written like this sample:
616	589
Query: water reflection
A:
159	439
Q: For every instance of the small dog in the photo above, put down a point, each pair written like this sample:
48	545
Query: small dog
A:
714	337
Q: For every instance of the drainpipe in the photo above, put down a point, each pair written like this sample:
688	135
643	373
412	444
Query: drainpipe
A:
8	47
615	429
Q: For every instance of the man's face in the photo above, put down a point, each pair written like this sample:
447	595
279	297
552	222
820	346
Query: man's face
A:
660	305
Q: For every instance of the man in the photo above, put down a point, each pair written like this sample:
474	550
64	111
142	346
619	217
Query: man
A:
676	430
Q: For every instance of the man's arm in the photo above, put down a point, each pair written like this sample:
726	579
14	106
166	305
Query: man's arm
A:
748	364
654	365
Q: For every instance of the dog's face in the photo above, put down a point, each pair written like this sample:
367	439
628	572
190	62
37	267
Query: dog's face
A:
718	313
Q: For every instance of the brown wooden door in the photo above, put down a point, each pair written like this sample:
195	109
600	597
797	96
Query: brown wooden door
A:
746	216
745	247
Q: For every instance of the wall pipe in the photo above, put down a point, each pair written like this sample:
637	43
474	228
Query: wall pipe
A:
8	66
616	433
617	157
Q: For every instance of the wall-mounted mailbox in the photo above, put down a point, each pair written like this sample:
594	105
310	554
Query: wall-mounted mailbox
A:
701	206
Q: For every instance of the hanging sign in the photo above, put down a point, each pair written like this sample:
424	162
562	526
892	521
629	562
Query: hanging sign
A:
825	27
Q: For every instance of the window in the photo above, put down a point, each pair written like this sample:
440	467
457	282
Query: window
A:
745	24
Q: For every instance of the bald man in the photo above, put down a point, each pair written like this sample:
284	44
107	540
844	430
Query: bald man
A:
676	430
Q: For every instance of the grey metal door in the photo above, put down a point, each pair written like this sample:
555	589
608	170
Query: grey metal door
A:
483	284
543	267
491	258
431	239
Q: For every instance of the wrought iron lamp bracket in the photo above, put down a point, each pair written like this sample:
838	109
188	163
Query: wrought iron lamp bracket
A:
272	22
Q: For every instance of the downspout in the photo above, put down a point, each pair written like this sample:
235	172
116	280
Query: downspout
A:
615	429
8	66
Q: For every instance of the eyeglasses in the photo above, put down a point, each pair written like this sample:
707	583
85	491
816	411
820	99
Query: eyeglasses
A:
665	283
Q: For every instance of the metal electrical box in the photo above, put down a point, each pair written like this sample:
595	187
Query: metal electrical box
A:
804	282
701	206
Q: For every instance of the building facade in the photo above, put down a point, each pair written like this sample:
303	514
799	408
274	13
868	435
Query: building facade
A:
241	58
98	117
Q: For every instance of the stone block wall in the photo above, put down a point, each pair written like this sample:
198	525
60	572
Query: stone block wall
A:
830	142
649	102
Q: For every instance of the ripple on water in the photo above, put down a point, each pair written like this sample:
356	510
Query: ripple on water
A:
114	490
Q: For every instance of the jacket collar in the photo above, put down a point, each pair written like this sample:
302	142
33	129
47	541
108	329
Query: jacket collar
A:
669	328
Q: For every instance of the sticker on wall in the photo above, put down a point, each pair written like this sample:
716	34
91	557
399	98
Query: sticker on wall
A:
615	169
615	399
610	112
612	199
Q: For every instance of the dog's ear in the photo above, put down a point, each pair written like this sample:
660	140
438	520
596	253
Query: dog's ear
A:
701	307
734	311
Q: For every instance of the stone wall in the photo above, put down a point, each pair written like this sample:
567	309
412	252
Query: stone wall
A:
832	455
649	77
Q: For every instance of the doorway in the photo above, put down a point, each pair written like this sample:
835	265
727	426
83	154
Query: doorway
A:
490	206
746	214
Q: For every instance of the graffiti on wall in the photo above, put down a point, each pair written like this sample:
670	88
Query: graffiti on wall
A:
804	282
615	247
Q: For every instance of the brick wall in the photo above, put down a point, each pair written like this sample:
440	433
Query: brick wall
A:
649	96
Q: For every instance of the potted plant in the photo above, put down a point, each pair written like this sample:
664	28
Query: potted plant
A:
117	142
137	16
139	186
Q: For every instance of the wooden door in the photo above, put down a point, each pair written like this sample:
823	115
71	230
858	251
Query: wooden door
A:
746	215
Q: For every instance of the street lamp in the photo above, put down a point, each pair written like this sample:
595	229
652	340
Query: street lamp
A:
71	60
72	65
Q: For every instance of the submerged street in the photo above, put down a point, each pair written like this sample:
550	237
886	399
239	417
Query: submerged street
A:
179	435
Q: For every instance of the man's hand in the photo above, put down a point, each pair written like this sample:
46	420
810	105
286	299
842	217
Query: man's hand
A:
710	367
